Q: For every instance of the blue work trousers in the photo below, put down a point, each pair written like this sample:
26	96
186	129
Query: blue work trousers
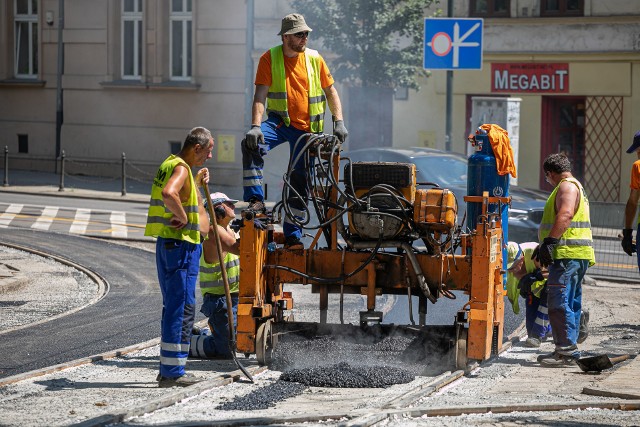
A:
537	316
564	300
216	344
178	264
275	133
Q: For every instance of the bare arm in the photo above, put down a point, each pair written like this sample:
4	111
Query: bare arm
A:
171	196
228	242
567	202
333	99
630	209
259	100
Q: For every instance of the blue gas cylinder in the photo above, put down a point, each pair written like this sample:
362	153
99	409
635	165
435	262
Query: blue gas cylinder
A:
482	175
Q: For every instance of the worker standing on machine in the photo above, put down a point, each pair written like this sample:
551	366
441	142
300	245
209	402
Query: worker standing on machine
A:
295	80
632	202
214	304
176	218
566	249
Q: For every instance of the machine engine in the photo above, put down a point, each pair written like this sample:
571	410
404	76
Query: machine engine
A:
388	205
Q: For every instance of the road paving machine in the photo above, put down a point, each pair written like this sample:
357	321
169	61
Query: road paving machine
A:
376	232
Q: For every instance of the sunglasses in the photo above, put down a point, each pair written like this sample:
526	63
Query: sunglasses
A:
302	34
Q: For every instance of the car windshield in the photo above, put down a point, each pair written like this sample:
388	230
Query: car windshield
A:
443	170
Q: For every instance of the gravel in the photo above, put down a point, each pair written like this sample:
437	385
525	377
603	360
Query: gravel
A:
264	397
347	376
53	289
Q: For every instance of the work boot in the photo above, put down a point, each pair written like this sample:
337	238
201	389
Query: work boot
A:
256	206
184	381
583	332
532	342
293	243
557	360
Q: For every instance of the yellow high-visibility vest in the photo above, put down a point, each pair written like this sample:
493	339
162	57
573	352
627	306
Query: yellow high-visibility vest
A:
277	96
211	275
576	242
159	216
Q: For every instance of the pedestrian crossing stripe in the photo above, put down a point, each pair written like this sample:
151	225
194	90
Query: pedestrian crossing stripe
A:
82	221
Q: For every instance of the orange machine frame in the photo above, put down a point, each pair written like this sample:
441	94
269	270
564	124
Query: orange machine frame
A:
478	271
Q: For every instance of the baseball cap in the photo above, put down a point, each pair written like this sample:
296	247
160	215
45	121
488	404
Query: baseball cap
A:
293	23
636	143
219	198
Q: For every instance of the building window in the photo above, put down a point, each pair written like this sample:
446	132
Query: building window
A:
181	46
131	39
23	143
26	38
175	146
562	8
490	8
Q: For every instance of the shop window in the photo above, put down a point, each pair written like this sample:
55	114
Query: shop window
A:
26	38
490	8
131	39
181	22
556	8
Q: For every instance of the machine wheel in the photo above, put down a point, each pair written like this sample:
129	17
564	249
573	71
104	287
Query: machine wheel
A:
264	343
461	348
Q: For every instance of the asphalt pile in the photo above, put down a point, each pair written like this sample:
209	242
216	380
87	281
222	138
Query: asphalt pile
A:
345	375
264	397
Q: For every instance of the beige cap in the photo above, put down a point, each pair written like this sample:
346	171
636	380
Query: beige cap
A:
293	23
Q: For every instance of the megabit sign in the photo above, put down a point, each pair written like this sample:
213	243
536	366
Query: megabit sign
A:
530	78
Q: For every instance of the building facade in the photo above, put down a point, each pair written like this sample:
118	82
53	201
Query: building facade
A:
574	65
138	74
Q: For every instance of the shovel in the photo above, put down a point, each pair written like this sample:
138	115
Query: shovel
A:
600	362
225	280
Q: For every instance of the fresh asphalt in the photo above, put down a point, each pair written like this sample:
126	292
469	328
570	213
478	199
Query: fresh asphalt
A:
127	315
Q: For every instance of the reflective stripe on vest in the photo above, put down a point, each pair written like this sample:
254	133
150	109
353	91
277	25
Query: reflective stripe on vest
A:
576	242
211	275
277	96
159	217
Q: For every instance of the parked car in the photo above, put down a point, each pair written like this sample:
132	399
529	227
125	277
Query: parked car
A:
449	170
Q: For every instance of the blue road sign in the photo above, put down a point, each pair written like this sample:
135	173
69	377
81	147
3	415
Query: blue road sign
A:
453	43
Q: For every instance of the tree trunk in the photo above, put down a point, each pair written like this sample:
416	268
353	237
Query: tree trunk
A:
370	117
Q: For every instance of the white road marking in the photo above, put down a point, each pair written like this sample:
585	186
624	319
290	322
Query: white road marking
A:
118	227
10	214
80	222
46	219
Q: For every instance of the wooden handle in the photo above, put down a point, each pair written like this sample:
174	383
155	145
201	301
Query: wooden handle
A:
225	280
619	359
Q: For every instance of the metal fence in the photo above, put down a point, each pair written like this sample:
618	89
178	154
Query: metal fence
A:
606	217
607	221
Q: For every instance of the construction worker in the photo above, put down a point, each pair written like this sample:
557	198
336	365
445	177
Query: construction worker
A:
566	250
632	202
295	80
531	282
177	218
214	304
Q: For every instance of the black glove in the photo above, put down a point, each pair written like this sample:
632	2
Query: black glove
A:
258	224
339	130
253	138
544	252
627	245
237	224
525	285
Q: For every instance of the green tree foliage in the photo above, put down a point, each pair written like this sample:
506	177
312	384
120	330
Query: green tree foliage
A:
376	42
